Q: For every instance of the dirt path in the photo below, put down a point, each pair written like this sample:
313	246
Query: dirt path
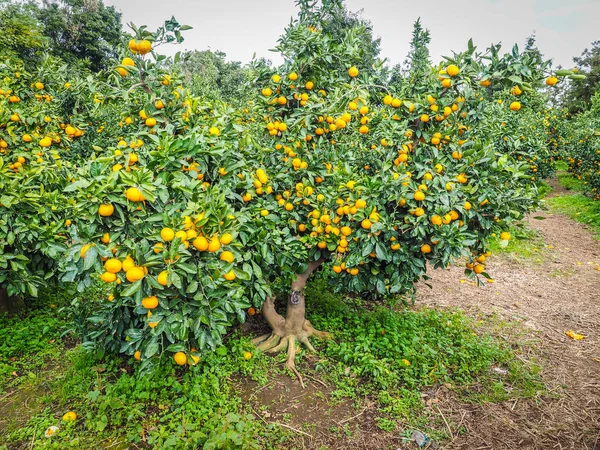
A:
561	294
557	188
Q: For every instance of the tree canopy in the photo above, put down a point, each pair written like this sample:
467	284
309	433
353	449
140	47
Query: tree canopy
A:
77	31
209	74
20	33
579	94
84	30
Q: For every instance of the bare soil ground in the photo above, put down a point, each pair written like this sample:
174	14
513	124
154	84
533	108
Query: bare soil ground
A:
545	300
314	418
561	294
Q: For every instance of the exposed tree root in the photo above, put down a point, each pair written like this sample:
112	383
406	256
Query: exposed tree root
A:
275	343
259	339
293	327
290	363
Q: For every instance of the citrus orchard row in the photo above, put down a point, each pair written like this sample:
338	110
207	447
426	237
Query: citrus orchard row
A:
579	139
191	211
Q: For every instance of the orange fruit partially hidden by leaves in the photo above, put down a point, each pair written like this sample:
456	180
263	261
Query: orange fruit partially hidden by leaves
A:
150	302
144	47
163	278
452	70
134	274
133	194
108	277
133	46
106	210
167	234
112	265
128	263
180	358
227	256
226	239
214	245
229	276
200	243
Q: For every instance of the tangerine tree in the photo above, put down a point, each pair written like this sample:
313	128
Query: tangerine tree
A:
33	174
378	184
191	210
580	137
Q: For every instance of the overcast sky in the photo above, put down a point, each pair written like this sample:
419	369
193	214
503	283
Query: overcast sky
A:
242	27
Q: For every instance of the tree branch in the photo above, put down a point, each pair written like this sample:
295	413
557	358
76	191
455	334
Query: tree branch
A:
301	279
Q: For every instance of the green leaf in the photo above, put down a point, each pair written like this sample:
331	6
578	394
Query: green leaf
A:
129	291
380	252
79	184
192	287
91	256
176	348
188	268
32	289
176	280
151	349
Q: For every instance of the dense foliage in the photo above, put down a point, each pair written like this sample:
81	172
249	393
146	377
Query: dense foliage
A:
580	139
85	33
577	96
192	210
210	76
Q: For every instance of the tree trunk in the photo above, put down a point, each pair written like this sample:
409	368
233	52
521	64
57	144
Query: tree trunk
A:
294	327
10	304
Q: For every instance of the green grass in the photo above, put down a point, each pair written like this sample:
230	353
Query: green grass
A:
387	348
525	244
31	340
174	408
578	207
378	353
569	182
561	166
